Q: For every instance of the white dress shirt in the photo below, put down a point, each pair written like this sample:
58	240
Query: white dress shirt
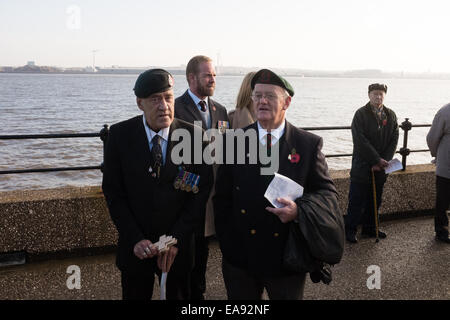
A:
163	133
276	133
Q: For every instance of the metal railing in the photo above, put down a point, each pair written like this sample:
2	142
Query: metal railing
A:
103	134
406	126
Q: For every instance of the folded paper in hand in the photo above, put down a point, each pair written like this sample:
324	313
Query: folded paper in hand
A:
282	187
394	165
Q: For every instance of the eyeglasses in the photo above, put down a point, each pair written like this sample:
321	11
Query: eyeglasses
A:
269	97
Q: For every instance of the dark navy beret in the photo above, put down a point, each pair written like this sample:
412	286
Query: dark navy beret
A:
269	77
378	86
152	81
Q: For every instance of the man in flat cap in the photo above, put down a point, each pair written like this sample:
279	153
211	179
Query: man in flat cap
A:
196	104
375	137
141	183
251	232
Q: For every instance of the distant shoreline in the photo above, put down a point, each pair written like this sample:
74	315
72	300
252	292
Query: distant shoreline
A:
286	74
228	71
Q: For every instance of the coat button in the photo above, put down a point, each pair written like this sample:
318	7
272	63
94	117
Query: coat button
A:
253	231
276	234
237	188
243	211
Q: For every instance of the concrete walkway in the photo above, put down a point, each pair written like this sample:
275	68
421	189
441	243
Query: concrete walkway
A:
412	265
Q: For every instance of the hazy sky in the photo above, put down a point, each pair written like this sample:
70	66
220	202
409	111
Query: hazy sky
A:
392	35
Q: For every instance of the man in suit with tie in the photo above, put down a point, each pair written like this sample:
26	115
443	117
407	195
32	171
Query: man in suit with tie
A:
196	105
139	186
251	232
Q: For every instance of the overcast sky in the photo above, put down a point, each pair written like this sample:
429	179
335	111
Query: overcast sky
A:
391	35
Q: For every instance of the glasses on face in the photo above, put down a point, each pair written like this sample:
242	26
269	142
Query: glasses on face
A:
268	96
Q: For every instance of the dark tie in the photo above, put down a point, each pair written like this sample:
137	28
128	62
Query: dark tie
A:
202	105
269	144
157	154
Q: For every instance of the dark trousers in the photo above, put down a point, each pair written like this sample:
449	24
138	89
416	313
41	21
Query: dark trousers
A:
361	206
442	205
139	285
198	274
241	285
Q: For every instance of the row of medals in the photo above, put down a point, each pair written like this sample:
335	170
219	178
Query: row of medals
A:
187	181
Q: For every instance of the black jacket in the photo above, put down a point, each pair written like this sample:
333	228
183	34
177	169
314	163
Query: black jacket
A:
143	207
251	237
372	140
185	109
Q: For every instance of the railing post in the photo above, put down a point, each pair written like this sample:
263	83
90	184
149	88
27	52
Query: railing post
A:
404	151
104	137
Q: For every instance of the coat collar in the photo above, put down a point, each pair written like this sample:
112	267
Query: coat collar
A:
192	108
140	146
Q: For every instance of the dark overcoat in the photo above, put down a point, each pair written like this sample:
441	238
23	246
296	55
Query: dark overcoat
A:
251	237
143	207
372	139
185	109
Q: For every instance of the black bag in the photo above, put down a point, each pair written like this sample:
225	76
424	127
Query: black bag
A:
297	257
317	240
322	225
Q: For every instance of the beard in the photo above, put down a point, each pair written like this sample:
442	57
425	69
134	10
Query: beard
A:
204	90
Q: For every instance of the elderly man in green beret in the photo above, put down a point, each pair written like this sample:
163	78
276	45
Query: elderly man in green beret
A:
375	137
139	180
251	232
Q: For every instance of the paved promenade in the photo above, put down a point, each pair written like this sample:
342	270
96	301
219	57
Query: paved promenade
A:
412	264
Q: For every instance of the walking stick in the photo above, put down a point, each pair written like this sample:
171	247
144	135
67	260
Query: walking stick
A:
375	209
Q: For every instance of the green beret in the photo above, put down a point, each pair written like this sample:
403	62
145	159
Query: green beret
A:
378	86
152	81
269	77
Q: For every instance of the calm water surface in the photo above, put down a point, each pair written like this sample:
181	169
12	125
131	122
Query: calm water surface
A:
40	103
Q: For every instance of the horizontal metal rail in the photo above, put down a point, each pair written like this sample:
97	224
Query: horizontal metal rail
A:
103	134
49	136
50	170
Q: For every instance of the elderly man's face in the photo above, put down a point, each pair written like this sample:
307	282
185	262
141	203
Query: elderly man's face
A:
376	97
158	109
270	103
203	83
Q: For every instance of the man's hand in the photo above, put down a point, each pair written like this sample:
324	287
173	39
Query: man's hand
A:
145	249
165	259
287	213
380	165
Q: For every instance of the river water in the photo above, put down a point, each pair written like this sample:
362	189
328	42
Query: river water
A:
46	103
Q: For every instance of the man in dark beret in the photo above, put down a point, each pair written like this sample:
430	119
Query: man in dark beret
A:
139	183
251	232
375	136
196	104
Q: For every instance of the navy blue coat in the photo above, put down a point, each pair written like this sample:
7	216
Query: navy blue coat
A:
251	237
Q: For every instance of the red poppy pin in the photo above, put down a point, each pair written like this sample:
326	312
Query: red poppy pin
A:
294	157
384	122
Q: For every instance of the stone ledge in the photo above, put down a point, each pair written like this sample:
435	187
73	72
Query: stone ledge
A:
70	219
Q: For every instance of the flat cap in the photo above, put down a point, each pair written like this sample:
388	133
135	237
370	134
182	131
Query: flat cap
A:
269	77
378	86
152	81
